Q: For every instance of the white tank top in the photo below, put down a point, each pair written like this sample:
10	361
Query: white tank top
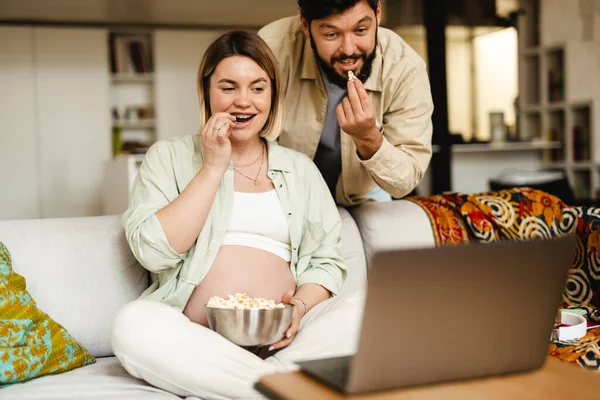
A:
257	220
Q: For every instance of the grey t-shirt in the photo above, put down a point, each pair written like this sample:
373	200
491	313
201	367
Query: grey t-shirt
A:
328	157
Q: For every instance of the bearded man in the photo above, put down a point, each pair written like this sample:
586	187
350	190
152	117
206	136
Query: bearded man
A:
370	137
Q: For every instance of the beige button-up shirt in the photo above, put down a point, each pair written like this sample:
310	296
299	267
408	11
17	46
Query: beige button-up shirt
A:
399	91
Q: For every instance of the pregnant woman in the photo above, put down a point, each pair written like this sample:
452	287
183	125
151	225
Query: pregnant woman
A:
224	211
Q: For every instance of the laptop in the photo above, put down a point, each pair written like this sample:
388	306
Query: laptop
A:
451	313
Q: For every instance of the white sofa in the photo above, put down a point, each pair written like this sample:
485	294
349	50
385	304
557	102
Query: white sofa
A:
80	271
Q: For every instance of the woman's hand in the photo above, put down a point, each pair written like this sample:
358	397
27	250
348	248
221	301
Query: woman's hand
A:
215	139
291	332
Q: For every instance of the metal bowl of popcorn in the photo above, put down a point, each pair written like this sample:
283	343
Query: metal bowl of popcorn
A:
248	321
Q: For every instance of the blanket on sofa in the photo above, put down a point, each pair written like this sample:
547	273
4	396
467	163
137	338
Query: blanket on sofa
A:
525	214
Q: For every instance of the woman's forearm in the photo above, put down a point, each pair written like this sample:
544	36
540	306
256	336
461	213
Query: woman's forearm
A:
184	217
309	295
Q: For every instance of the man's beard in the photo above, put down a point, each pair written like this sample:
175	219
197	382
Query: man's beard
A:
333	76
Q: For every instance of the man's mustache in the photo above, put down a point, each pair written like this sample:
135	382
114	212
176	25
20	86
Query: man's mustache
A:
345	57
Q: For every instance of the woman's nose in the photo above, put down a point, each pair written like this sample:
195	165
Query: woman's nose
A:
242	99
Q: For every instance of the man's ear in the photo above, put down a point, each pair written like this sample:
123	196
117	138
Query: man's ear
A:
305	27
378	13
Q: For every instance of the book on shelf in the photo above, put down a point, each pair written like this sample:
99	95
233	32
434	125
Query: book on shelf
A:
581	143
556	87
554	154
130	54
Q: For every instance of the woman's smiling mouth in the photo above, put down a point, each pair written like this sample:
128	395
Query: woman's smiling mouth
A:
241	119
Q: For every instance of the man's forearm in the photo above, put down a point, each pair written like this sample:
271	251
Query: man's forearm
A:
367	147
398	170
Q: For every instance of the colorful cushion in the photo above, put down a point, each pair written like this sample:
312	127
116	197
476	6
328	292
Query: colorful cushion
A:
524	214
31	343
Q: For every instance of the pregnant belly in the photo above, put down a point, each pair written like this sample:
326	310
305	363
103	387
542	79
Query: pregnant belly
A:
239	269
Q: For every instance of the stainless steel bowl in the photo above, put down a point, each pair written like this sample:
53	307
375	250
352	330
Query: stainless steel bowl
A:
250	327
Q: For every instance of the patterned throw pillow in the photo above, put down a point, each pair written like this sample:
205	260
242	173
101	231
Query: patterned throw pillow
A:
31	343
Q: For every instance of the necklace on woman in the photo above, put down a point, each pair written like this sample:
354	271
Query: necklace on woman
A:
255	179
249	164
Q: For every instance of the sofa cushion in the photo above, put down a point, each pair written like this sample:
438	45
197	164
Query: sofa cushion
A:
354	254
106	379
397	224
31	343
79	270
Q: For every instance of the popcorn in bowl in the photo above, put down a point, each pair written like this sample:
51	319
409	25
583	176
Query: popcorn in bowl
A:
248	321
244	302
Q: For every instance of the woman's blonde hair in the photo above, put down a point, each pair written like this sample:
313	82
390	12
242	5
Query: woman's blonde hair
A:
247	44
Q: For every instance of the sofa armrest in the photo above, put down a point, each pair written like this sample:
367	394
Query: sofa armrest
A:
392	225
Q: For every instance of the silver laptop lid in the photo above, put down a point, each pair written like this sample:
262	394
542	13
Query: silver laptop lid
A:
455	312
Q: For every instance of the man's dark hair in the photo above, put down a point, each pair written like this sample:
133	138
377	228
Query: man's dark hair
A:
318	9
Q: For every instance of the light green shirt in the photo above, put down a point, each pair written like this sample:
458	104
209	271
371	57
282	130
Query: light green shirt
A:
168	167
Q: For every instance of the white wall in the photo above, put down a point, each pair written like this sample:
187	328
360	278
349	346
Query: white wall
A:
458	53
177	56
458	77
494	75
73	118
54	110
19	166
151	12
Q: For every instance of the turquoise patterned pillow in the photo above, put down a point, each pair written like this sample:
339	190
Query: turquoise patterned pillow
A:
31	343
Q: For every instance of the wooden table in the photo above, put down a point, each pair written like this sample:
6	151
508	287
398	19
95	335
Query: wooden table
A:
555	380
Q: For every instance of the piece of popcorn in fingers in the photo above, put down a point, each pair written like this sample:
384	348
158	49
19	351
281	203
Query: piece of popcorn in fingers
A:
351	76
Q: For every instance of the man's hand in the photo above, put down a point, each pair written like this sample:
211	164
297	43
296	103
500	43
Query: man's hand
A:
356	117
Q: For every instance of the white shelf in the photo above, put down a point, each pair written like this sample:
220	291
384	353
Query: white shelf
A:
532	108
554	47
557	106
136	157
132	78
120	174
506	146
582	165
532	51
141	124
555	164
558	60
580	104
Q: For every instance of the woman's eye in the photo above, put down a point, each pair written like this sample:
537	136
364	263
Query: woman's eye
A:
259	89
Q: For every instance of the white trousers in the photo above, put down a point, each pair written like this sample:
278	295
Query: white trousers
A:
160	345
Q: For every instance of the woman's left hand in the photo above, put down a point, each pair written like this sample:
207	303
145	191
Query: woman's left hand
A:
291	332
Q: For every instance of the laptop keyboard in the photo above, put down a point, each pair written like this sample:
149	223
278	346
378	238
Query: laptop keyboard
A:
333	370
337	374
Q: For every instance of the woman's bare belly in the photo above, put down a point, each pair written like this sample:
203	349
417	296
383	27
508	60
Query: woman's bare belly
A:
239	269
